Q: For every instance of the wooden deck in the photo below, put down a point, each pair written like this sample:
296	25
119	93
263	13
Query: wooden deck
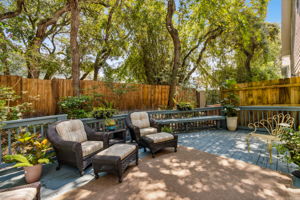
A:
219	142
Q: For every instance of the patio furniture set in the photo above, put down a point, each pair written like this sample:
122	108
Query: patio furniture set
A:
78	145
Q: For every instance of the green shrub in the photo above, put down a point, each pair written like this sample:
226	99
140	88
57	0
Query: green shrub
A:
10	109
184	106
76	107
231	101
167	129
290	142
103	112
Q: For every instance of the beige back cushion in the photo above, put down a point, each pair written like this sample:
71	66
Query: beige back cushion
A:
72	130
140	119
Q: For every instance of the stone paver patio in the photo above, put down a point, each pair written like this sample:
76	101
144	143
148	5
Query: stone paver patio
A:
218	142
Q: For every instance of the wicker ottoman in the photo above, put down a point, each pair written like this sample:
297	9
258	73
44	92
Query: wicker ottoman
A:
158	141
115	159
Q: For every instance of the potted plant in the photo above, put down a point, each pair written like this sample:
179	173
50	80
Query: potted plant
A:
230	105
31	151
290	142
182	106
103	113
110	124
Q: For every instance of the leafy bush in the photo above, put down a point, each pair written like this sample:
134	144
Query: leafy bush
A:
103	112
76	107
167	129
231	101
290	142
184	106
31	149
212	97
10	109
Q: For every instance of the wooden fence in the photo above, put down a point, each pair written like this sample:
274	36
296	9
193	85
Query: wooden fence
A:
124	96
280	92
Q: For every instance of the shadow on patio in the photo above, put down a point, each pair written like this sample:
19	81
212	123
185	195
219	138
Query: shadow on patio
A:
190	174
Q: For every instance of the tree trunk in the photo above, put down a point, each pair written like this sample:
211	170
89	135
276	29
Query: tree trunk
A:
249	57
4	59
96	67
177	51
32	61
74	47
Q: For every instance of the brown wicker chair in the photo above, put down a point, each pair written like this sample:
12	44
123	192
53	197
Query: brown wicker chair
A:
75	143
29	191
144	131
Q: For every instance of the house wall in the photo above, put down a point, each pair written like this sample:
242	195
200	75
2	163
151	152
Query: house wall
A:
296	38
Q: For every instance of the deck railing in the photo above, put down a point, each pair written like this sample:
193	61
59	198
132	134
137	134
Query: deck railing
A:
40	124
35	125
248	114
251	114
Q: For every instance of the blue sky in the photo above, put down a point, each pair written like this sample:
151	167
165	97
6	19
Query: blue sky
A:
274	11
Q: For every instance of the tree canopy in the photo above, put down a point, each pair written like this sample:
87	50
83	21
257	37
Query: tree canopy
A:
202	42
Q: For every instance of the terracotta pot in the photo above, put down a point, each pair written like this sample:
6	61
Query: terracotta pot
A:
231	123
33	173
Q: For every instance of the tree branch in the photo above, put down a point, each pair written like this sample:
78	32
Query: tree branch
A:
44	24
11	14
100	3
208	40
197	45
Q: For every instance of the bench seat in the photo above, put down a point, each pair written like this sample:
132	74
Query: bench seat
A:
190	119
220	121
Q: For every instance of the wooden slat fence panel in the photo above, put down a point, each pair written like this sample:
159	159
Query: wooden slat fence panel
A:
281	92
136	97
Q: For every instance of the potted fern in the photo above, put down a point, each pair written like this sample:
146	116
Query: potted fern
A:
31	151
230	105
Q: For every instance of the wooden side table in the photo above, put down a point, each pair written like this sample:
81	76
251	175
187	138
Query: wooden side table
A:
117	136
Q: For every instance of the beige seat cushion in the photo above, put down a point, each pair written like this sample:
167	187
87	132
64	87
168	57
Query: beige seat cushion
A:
72	130
120	150
147	131
160	137
19	194
89	147
140	119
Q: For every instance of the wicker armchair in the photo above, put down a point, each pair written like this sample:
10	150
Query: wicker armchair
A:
29	191
75	143
144	131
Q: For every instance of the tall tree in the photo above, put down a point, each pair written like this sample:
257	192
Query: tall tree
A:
177	51
74	47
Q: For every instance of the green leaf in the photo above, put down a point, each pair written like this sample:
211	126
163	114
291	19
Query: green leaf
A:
16	158
23	165
43	161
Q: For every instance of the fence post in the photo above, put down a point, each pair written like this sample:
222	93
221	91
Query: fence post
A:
55	93
201	99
